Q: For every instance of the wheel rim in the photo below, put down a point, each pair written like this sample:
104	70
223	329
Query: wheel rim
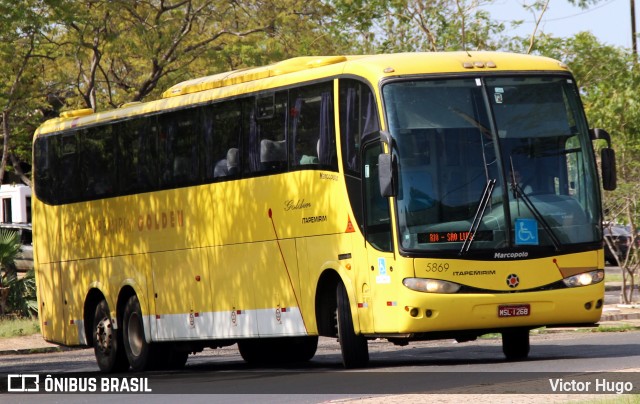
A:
104	335
135	335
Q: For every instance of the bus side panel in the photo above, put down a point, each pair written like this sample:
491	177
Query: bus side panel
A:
242	211
277	288
49	289
72	300
47	227
182	282
331	253
232	288
47	249
307	291
364	283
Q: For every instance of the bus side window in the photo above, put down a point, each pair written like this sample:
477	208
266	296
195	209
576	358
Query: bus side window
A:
137	167
358	117
44	160
222	141
312	127
265	133
98	158
304	131
69	186
179	148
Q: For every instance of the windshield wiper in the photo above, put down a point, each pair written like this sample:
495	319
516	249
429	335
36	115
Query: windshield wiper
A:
477	219
536	213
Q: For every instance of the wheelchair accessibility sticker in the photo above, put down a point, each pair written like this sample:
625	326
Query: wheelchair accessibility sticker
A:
382	272
526	232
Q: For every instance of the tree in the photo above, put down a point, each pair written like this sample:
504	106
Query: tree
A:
125	51
20	49
418	25
609	85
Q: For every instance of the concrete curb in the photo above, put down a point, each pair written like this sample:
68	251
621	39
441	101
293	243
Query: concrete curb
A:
40	350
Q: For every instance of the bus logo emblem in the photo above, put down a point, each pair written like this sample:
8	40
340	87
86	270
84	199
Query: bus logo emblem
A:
513	280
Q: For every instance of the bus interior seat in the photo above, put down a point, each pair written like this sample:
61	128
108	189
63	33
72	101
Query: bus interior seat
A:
273	154
227	166
233	161
221	169
180	168
306	154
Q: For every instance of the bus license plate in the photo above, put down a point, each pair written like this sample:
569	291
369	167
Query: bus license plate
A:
514	310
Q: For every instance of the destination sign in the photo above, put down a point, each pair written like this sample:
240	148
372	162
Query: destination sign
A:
453	236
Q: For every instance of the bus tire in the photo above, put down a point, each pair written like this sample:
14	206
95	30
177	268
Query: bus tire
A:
301	349
257	351
355	352
176	359
269	351
107	341
515	344
140	353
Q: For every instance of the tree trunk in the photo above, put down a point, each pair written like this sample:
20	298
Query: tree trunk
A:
5	143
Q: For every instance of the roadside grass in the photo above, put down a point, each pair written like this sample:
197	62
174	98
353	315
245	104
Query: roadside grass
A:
614	328
620	399
609	277
600	328
17	327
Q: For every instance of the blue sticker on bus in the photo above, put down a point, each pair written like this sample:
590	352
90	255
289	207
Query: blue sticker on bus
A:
382	266
526	232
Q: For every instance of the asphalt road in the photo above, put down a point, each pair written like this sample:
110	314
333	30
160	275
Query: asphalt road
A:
426	367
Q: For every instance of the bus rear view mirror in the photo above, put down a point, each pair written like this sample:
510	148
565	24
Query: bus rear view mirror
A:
387	175
608	159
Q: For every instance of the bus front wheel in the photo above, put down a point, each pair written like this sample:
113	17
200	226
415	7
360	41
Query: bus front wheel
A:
355	352
515	344
107	342
270	351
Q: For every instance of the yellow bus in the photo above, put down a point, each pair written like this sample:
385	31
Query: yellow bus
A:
405	197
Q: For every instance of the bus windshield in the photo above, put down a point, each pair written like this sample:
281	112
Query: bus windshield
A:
492	163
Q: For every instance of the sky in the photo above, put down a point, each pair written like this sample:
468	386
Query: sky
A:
609	20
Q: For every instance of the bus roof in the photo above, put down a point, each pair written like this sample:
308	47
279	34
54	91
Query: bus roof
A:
308	68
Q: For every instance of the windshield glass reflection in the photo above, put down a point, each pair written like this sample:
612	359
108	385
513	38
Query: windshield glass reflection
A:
453	137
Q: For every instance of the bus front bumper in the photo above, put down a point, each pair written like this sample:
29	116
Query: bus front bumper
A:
432	313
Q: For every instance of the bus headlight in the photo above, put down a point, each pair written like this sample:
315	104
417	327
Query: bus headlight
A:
584	279
430	285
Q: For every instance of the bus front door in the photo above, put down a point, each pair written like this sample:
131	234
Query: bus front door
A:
378	231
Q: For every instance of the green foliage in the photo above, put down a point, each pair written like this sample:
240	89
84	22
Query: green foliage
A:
9	249
18	327
418	25
20	293
22	299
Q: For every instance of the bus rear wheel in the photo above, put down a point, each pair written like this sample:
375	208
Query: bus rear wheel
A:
140	353
107	342
355	352
515	344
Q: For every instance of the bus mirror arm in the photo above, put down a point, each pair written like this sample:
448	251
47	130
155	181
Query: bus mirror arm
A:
607	158
597	133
